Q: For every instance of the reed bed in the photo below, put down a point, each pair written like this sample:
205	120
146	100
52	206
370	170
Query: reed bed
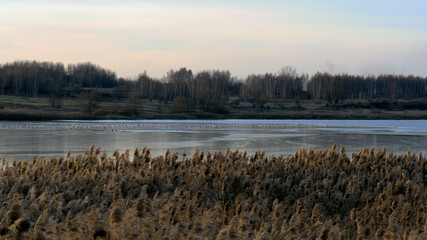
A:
318	194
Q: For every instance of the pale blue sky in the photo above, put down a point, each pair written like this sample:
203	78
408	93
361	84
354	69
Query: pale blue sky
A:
359	37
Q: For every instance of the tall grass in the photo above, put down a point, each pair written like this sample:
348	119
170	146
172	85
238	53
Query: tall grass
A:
318	194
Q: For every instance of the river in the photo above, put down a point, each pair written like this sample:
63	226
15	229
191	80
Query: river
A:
24	140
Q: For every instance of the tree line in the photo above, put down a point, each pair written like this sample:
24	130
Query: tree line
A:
207	88
30	79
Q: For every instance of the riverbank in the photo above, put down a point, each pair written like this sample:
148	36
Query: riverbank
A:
41	109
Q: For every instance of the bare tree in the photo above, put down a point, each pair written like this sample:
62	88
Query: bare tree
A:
88	102
133	104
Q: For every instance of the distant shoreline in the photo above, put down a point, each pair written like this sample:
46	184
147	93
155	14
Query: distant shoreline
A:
209	116
16	108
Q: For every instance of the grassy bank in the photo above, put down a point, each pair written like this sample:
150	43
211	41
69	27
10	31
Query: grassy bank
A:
311	195
20	108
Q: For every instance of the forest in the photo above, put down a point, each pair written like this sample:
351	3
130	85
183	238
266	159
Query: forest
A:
206	91
35	78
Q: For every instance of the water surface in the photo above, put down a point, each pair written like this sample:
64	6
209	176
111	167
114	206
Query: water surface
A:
24	140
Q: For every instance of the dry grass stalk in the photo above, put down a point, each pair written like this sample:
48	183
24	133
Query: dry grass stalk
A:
319	194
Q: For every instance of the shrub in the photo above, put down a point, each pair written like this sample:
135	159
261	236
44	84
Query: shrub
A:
181	104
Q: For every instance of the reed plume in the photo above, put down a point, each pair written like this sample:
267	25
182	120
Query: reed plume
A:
317	194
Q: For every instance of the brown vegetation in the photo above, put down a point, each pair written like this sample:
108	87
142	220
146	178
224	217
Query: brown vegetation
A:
87	102
312	195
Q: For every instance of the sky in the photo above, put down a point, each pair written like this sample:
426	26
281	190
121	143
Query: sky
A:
244	37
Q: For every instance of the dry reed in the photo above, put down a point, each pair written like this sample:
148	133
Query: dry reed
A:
318	194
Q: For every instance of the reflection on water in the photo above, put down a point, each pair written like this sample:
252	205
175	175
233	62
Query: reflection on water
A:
23	140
